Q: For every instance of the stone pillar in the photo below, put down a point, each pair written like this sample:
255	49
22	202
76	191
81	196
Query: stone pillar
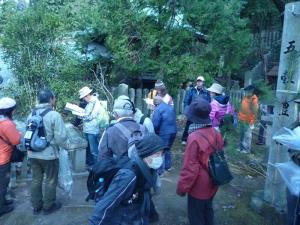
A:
77	150
132	95
122	89
182	96
145	106
139	98
285	112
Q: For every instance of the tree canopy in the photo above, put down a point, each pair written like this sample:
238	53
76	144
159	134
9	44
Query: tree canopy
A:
174	40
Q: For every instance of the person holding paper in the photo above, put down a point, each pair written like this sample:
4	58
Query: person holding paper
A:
91	127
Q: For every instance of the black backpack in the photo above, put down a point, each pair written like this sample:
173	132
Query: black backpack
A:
35	135
218	168
102	174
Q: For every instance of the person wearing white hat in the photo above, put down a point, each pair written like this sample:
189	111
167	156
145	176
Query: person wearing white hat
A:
9	137
220	106
198	91
94	112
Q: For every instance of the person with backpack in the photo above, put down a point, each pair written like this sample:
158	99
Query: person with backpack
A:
45	162
164	122
127	199
114	142
9	137
247	118
195	179
220	106
91	127
139	117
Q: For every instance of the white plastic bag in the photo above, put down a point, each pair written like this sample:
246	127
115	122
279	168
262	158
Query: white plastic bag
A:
287	137
290	173
65	179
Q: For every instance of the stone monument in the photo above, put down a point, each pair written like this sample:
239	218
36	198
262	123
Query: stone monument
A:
285	112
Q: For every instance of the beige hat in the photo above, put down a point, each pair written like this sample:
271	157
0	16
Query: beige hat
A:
216	88
200	78
84	92
7	103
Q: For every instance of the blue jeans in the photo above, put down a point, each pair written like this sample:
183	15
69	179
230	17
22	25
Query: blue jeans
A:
92	148
168	139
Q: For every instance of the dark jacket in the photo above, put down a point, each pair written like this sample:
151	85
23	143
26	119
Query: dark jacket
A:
113	142
118	205
112	208
193	92
194	177
164	119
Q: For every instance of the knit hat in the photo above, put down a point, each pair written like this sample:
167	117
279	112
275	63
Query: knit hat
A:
149	145
249	88
159	84
200	78
198	111
216	88
84	92
7	103
123	106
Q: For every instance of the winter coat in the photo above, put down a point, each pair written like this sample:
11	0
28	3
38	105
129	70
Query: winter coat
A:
113	142
117	206
164	119
11	136
194	177
220	106
147	121
55	134
94	113
249	108
193	93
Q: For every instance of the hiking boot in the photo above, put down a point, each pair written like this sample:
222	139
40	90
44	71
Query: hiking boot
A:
37	211
6	209
56	206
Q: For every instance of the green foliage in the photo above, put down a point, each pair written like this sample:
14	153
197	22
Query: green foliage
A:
159	37
264	91
33	45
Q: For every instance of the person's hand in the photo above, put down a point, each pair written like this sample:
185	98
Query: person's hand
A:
181	194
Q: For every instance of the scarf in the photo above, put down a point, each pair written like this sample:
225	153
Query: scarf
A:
196	126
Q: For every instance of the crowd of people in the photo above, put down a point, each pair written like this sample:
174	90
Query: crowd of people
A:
141	145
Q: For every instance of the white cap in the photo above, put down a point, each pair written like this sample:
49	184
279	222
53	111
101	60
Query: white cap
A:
6	103
123	107
200	78
84	92
216	88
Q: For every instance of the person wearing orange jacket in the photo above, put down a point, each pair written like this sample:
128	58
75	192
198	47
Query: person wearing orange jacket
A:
9	137
247	117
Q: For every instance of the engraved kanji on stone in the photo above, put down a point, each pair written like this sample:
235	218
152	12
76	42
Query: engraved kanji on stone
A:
290	48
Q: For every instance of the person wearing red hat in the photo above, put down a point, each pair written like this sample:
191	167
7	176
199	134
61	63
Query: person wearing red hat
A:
9	137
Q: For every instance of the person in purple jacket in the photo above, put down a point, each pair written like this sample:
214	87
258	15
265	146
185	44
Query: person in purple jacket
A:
220	105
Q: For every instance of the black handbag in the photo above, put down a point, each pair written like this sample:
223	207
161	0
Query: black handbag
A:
17	155
218	167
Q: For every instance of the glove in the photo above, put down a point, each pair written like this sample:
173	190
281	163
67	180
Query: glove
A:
252	126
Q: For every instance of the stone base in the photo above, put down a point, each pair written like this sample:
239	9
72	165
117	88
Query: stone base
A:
260	206
78	160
